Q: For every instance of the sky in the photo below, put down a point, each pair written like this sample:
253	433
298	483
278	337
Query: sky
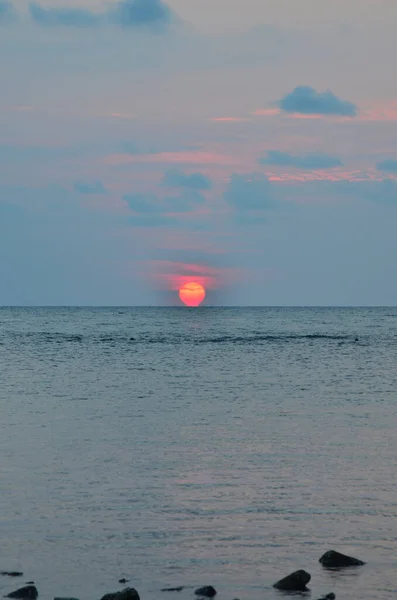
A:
250	146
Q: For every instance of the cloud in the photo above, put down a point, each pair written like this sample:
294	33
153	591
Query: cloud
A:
306	100
194	181
250	192
152	204
141	13
310	161
64	17
82	187
380	192
127	13
7	11
151	211
389	166
186	157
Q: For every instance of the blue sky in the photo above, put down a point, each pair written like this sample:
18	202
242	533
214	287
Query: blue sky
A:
250	146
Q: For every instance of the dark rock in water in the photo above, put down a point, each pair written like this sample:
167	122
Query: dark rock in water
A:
175	589
127	594
29	591
12	573
123	580
336	560
206	592
295	582
330	596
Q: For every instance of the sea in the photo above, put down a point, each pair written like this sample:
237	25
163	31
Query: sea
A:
198	446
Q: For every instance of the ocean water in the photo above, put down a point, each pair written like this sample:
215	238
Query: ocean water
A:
198	446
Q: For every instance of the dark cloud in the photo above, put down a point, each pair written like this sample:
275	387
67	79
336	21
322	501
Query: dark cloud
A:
389	166
151	211
194	181
250	192
382	193
310	161
127	13
64	17
307	101
7	11
82	187
151	204
143	203
378	192
141	13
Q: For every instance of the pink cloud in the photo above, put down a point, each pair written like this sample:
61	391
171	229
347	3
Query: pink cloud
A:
380	112
334	175
229	119
188	157
173	275
117	115
311	117
267	112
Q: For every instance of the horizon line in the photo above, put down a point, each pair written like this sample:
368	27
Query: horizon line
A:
212	306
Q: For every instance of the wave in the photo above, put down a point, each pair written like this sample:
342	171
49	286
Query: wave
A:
275	338
56	337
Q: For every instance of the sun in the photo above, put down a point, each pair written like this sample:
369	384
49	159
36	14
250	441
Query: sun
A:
192	293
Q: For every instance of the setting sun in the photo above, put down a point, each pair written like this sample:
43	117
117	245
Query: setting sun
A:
192	293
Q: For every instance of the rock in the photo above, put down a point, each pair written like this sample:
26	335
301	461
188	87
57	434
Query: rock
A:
29	591
295	582
126	594
336	560
12	573
330	596
206	592
123	580
176	589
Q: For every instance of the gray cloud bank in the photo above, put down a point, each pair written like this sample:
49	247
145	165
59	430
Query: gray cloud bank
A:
306	100
310	161
151	14
83	187
388	166
194	181
7	11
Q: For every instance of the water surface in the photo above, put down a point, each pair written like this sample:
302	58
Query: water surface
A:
198	446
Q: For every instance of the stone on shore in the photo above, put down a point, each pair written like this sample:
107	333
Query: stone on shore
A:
336	560
175	589
206	592
12	573
29	591
123	580
295	582
330	596
126	594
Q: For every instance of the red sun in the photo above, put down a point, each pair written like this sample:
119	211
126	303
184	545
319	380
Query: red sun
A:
192	293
